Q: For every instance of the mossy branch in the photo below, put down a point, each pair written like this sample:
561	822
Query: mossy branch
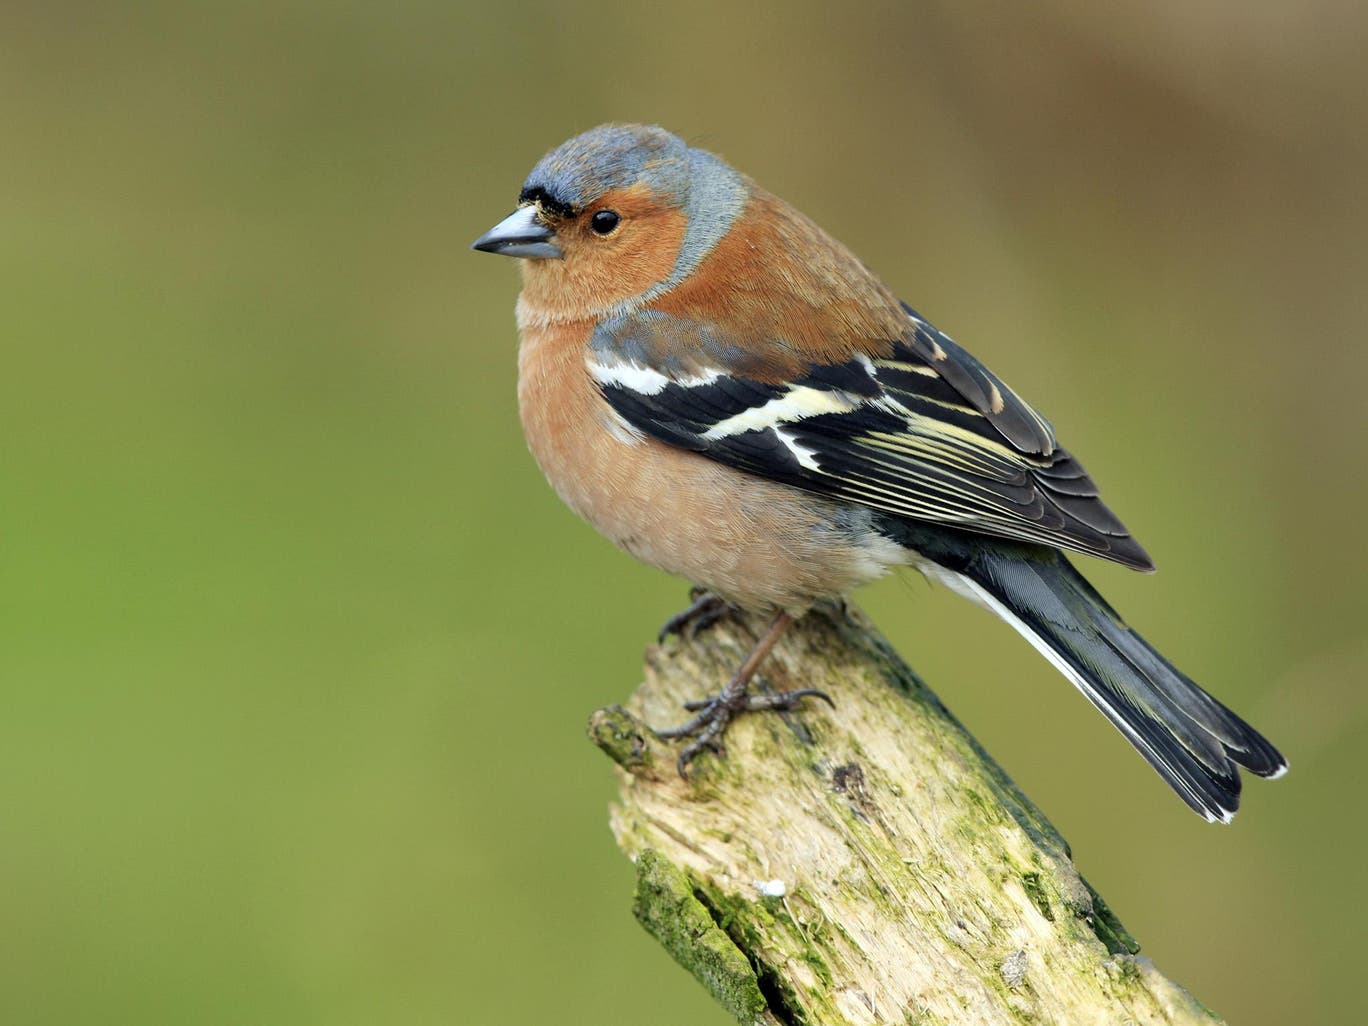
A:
864	864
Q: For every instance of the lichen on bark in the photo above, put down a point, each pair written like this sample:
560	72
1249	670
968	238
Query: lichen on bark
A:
863	864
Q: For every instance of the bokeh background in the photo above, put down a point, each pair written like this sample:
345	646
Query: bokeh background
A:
297	647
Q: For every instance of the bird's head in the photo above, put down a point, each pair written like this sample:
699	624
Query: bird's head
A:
615	217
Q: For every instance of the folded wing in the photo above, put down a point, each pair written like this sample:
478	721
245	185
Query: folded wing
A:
918	428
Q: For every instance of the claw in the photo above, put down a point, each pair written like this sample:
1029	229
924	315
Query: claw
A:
704	611
710	725
708	711
691	751
713	715
779	701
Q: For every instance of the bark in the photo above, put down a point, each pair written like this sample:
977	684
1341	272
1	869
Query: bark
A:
863	864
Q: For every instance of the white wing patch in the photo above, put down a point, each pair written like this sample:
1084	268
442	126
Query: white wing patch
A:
798	403
645	380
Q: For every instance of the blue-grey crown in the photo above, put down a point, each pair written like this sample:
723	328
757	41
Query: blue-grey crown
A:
579	171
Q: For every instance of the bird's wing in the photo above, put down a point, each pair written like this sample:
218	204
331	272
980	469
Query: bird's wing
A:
919	430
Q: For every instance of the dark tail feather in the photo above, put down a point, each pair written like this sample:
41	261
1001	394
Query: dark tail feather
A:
1192	739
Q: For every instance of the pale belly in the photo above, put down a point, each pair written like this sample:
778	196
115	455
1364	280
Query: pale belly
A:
760	544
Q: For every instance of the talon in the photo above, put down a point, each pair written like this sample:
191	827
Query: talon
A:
709	739
691	751
713	715
704	611
782	701
706	713
785	701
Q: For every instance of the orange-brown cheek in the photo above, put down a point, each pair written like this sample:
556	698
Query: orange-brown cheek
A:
597	273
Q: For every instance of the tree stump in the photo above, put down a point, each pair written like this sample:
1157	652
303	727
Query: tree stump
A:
859	865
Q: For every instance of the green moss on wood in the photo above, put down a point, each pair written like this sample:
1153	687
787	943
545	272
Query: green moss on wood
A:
666	906
1035	890
624	738
766	929
1107	927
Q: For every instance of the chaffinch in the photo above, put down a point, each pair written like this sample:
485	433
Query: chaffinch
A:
729	394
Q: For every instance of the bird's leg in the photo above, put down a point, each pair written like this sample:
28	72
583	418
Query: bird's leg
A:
705	610
714	714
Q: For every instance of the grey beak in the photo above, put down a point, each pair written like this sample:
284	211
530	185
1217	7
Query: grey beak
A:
520	234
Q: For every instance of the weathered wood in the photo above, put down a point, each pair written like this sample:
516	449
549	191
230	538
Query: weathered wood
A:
864	864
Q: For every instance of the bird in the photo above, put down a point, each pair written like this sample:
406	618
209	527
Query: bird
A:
729	394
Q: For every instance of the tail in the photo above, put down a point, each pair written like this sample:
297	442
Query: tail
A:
1193	740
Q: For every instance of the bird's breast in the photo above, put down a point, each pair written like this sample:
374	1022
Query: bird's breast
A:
761	544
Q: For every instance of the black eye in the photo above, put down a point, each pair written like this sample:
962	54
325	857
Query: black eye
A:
604	221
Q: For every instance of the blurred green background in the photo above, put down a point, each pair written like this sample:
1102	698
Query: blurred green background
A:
297	646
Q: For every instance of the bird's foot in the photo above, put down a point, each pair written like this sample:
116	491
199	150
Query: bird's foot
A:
713	716
704	611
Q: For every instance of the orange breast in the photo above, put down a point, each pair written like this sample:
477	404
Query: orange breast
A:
760	544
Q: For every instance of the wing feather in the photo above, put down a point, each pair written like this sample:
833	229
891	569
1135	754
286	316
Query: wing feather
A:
923	431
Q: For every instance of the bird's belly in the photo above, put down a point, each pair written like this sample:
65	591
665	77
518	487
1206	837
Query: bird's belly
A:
760	544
